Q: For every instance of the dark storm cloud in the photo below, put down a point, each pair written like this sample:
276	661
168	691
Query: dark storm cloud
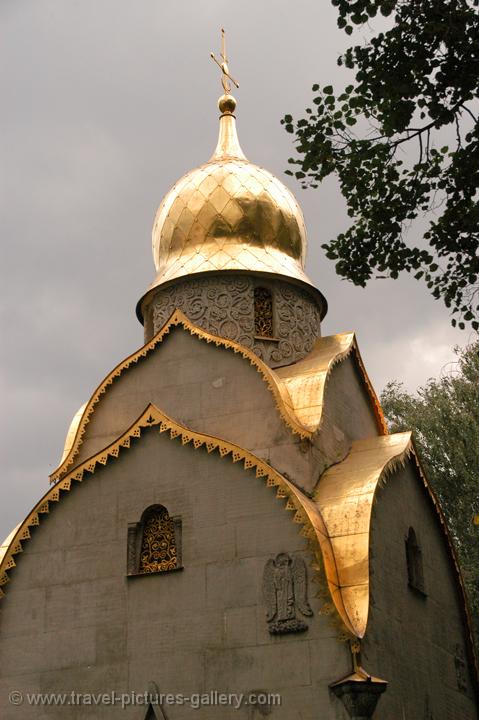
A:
104	106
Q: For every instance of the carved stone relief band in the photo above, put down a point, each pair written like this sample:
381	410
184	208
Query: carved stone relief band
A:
224	305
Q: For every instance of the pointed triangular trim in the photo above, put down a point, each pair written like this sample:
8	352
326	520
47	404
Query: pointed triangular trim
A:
179	319
388	452
304	511
295	408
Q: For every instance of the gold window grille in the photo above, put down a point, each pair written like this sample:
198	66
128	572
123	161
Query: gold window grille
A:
263	313
158	544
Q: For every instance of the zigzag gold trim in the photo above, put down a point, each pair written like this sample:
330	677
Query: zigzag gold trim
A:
178	318
305	513
310	513
277	383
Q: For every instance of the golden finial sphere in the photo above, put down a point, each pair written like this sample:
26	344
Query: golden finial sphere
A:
227	104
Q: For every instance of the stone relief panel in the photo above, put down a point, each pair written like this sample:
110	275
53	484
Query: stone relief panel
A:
297	325
220	305
225	306
285	592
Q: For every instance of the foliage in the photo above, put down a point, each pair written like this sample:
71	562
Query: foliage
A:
445	417
412	82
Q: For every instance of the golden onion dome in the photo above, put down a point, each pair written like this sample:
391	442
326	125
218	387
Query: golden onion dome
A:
229	214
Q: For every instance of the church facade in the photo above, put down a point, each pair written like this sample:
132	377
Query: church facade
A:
232	532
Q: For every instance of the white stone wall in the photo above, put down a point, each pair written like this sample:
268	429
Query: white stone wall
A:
72	620
216	391
412	639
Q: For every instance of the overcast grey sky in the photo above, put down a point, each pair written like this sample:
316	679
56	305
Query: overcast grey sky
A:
105	103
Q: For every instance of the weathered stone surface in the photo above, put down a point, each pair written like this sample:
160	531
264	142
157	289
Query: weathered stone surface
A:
72	619
92	629
420	632
208	388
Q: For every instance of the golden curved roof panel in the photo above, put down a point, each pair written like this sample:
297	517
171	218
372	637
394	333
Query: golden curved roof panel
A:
306	380
177	319
7	542
336	521
298	389
345	496
72	432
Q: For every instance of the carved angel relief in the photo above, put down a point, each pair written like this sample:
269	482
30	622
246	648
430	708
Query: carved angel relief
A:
285	591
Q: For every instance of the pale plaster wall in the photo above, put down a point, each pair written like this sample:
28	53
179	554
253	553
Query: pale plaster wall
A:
207	388
347	404
411	639
347	416
71	618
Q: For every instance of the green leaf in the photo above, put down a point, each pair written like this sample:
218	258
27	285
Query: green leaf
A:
415	73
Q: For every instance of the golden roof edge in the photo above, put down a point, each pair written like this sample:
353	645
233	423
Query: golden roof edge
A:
304	512
178	318
347	345
352	582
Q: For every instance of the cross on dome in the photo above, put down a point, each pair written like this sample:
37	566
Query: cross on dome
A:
225	77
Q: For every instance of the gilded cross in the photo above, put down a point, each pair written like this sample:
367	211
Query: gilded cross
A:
223	65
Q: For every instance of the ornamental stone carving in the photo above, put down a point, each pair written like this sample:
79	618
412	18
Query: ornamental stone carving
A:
285	589
225	305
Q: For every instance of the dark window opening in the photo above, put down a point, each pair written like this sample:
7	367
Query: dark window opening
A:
415	571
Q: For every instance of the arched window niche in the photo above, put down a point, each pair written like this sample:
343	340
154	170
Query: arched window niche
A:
415	570
263	314
154	543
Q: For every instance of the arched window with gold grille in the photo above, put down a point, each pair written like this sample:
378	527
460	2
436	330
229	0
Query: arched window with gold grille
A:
158	551
263	313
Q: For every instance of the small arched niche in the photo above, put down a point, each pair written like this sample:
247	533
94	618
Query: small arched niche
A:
414	563
154	543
